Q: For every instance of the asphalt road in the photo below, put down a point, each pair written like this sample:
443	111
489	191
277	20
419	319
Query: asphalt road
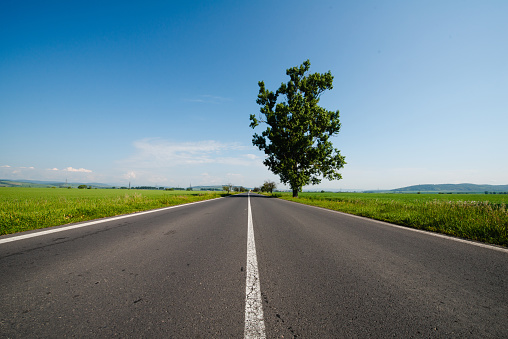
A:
181	273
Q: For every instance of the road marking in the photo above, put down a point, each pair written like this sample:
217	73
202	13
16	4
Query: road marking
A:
411	229
90	223
254	321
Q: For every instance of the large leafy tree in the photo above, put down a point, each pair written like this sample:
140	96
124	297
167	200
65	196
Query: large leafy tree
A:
297	139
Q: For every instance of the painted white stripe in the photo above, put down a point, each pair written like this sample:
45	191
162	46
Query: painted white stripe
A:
95	222
410	229
254	321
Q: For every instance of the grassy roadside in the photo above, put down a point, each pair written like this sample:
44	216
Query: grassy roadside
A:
23	209
472	216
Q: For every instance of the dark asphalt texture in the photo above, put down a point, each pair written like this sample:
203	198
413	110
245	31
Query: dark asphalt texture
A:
180	273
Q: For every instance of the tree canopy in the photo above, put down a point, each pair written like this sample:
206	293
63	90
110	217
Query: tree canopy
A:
268	186
296	140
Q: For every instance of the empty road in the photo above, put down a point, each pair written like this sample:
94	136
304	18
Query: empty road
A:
186	272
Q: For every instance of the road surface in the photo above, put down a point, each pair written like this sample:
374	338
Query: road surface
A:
184	273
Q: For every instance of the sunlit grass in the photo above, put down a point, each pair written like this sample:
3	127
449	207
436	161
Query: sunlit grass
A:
23	209
472	216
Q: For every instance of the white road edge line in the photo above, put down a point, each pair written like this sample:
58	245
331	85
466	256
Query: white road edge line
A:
85	224
410	229
254	320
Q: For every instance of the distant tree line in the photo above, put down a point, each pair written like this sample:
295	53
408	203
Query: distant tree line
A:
268	187
230	188
148	188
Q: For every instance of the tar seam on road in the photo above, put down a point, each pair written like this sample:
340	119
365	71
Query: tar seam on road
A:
254	322
61	229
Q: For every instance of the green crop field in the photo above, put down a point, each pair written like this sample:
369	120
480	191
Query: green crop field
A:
481	217
23	209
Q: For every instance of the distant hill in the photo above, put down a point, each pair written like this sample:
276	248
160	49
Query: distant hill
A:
207	188
453	188
44	184
48	184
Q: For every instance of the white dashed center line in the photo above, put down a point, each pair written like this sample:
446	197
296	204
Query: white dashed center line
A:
254	322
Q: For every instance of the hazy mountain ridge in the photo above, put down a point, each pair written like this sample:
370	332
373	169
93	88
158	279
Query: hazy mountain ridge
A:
58	184
458	188
432	188
44	184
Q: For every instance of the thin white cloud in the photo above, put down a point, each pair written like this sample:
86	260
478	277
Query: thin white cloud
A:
71	169
216	98
152	153
129	175
163	162
34	173
208	179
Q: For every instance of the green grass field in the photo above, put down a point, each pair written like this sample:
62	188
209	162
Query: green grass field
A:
23	209
478	217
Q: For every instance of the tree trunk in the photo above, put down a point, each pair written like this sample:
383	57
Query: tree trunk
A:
295	193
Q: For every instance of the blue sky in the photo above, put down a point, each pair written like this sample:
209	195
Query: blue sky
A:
160	93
